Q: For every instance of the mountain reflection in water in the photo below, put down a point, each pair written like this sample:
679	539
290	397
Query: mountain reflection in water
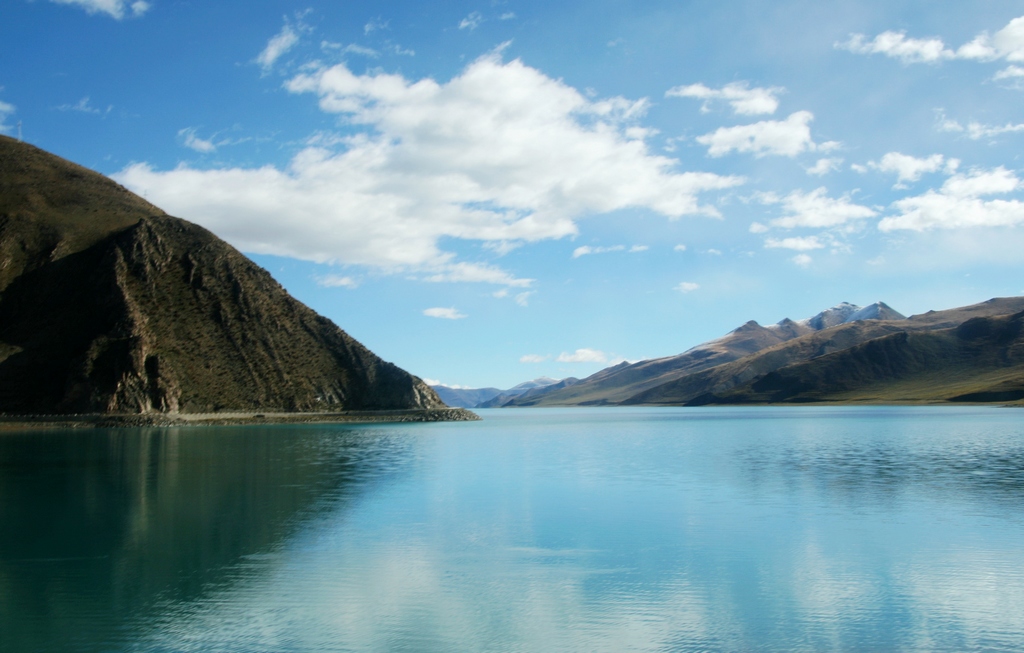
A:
623	529
101	530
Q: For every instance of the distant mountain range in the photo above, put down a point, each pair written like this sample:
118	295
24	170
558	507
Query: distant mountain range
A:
490	397
109	305
846	353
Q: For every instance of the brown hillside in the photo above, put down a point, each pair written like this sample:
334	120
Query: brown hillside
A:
980	360
110	305
856	358
619	383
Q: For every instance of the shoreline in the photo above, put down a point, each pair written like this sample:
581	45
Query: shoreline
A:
253	418
234	418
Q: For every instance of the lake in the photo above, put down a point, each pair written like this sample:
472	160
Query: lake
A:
605	529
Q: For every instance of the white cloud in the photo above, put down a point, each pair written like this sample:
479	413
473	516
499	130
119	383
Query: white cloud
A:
803	260
758	228
816	209
980	182
397	49
743	99
446	271
976	130
6	111
472	21
453	386
1006	44
282	42
910	169
444	313
83	106
787	137
191	139
499	294
583	356
115	8
194	142
959	204
523	298
897	46
824	166
679	248
800	244
509	15
587	249
713	252
533	358
375	24
1010	72
351	48
687	286
336	281
501	153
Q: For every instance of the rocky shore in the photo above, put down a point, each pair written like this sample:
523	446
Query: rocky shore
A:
98	420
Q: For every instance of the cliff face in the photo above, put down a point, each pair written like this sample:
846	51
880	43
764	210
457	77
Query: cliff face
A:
134	311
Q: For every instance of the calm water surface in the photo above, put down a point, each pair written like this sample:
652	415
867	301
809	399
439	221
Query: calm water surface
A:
719	529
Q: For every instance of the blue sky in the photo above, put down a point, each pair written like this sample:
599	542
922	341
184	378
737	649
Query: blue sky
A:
487	192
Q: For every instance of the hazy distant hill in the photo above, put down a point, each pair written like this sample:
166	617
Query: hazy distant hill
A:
492	397
107	304
465	397
528	397
625	380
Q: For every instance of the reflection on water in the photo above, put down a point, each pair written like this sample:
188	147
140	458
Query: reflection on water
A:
889	457
101	529
535	530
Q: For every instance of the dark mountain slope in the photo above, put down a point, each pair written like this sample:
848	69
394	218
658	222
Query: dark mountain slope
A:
715	384
134	311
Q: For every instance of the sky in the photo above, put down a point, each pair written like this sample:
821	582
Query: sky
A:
489	192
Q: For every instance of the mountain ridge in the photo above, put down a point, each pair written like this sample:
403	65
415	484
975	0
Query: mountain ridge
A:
871	353
727	383
135	311
490	397
620	383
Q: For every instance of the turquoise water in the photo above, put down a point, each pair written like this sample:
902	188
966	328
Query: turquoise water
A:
718	529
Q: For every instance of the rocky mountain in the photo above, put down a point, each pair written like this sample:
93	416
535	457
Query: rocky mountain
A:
109	305
979	360
621	382
962	354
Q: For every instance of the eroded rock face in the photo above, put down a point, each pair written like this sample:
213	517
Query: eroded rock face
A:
162	316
